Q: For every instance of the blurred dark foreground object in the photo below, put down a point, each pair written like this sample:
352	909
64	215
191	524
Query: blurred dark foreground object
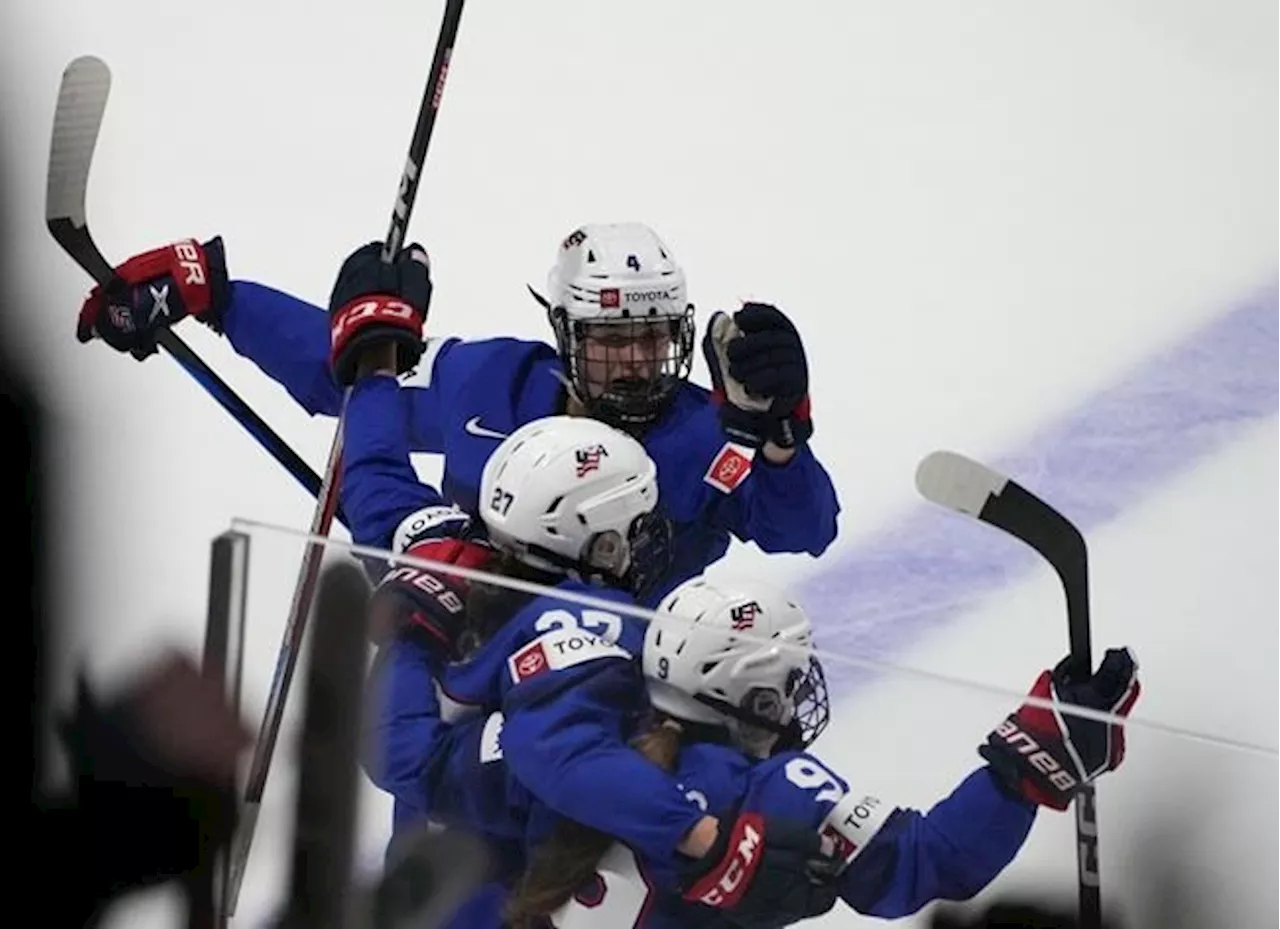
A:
1014	914
431	873
153	772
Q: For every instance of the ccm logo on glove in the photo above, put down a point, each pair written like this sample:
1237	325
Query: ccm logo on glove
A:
381	309
724	885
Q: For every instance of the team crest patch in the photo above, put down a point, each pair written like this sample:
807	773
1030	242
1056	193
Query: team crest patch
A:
529	662
730	467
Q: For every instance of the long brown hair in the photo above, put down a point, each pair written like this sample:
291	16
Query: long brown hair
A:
489	606
568	857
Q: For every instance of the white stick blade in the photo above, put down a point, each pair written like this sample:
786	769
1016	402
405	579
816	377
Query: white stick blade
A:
82	99
952	480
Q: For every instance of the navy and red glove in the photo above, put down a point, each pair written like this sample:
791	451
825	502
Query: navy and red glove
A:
762	873
427	604
1045	756
374	303
759	376
153	291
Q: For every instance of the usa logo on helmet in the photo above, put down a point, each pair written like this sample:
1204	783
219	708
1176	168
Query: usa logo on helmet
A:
589	459
743	617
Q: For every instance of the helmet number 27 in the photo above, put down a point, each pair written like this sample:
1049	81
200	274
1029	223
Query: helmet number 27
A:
501	501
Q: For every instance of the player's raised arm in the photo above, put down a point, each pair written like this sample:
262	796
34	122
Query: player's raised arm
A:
897	860
760	379
292	341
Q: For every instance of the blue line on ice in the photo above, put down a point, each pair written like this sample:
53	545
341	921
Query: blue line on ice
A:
1171	411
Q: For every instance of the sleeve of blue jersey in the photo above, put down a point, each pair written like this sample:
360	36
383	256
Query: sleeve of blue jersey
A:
790	507
404	728
288	339
951	852
379	485
569	748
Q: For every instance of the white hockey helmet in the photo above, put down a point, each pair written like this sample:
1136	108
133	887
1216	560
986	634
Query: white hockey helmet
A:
740	657
573	495
621	275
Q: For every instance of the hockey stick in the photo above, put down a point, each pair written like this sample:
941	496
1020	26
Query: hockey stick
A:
82	100
961	484
311	560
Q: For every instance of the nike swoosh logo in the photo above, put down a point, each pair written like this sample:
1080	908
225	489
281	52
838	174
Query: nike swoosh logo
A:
473	427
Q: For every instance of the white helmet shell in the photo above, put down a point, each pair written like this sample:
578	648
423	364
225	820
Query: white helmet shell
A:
727	653
614	271
558	482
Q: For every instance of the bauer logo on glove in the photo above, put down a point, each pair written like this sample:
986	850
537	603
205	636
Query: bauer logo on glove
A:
154	290
1045	755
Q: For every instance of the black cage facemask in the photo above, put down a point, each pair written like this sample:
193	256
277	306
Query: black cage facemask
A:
635	381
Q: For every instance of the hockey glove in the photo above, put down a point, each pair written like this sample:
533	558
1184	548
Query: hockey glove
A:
762	873
760	376
154	290
374	303
1046	756
427	604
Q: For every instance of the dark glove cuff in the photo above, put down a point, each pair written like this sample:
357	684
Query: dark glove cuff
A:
219	285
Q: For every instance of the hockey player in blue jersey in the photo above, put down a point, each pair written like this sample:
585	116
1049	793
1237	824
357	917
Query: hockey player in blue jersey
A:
733	461
572	503
726	669
565	735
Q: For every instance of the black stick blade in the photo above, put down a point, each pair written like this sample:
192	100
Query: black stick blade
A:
958	483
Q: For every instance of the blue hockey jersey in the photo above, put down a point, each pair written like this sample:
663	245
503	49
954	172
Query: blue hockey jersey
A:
490	773
466	395
545	650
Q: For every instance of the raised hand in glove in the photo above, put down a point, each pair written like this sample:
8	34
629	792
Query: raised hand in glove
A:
427	603
154	290
378	308
761	873
1047	756
760	377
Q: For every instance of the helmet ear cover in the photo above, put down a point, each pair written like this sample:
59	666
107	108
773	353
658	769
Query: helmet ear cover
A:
811	715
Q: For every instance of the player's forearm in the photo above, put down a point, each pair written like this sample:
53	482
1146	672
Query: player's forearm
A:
950	853
790	507
379	485
587	774
288	339
406	729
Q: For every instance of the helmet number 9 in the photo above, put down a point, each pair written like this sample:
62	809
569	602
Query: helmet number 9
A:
501	501
664	668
